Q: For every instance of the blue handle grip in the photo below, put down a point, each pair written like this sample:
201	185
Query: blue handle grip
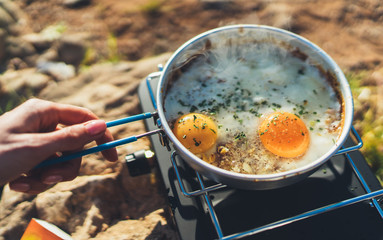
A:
129	119
104	146
99	148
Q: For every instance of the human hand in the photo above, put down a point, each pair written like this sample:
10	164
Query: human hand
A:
32	133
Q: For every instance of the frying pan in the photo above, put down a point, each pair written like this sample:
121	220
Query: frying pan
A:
235	36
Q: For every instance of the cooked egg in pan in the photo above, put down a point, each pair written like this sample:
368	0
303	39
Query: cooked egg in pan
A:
259	111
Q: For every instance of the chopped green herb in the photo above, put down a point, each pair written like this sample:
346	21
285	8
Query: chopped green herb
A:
196	143
240	136
276	105
182	103
202	104
264	132
193	108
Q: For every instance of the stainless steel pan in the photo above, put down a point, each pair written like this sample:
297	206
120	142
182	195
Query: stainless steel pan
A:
233	35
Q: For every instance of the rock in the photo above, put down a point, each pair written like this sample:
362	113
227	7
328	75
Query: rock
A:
3	36
52	206
71	49
17	47
16	64
5	19
377	77
82	206
24	82
16	210
38	41
12	9
108	89
365	94
76	3
153	225
60	71
49	55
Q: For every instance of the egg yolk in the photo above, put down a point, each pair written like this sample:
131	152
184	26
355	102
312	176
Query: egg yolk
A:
284	134
197	132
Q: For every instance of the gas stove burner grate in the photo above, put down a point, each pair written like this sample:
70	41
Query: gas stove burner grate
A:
203	209
204	191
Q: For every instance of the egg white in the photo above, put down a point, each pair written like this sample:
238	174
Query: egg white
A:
239	90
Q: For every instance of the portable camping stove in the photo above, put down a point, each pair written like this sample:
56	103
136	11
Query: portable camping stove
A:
341	200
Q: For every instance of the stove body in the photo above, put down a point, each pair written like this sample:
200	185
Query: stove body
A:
202	209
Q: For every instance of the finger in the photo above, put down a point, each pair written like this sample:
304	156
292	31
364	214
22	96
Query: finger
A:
109	154
41	146
72	137
62	113
92	130
66	117
37	115
40	180
29	184
61	172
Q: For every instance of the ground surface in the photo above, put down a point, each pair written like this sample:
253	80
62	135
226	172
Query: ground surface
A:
349	31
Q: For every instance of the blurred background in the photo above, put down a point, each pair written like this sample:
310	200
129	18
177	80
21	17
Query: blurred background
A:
94	53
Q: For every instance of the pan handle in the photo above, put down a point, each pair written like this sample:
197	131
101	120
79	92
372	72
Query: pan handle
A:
107	145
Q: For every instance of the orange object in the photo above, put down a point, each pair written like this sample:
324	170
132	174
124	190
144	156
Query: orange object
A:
41	230
197	132
284	134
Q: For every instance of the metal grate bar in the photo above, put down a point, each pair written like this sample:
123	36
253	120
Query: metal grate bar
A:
212	213
283	222
352	148
305	215
364	184
182	187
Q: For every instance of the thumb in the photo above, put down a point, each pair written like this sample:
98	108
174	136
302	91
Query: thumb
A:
76	136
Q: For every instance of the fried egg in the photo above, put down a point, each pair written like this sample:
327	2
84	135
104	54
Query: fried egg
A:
270	110
197	132
284	134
